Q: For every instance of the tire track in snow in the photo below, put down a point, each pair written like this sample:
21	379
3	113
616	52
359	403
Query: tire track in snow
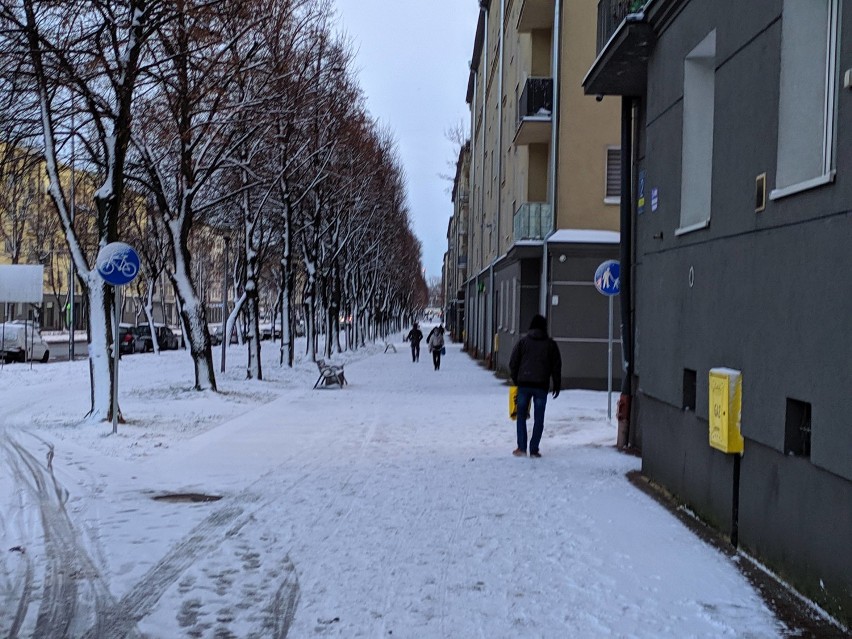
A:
445	568
202	541
136	604
18	586
74	592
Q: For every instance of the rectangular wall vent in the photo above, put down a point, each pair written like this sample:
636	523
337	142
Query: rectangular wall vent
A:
760	193
797	428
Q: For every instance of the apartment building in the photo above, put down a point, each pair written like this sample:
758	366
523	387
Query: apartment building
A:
542	209
740	204
454	273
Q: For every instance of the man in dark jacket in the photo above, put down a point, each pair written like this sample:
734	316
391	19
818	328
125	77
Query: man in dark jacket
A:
535	364
414	337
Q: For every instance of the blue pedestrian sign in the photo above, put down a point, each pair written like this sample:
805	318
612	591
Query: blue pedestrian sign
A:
118	263
608	278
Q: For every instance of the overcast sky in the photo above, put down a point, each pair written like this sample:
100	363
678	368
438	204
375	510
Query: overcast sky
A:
413	62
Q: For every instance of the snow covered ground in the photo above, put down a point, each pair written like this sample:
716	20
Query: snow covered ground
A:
392	507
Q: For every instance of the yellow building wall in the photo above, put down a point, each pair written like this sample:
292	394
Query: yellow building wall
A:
586	128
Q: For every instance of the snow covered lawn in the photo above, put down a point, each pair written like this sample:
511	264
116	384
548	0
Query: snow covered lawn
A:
392	507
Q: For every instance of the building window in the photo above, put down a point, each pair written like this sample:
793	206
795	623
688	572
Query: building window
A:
806	104
612	194
699	90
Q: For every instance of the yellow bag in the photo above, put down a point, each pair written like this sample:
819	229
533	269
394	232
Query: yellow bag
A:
513	403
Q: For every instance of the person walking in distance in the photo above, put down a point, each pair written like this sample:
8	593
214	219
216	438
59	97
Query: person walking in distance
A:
534	365
435	341
414	337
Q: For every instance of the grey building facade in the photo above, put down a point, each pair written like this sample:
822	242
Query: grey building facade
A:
740	116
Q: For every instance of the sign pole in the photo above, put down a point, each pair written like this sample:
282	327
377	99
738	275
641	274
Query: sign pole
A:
118	265
609	366
116	349
608	282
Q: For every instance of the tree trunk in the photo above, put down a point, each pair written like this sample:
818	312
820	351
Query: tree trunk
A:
193	311
100	353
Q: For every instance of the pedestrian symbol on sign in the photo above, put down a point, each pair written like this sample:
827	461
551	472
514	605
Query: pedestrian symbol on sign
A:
608	278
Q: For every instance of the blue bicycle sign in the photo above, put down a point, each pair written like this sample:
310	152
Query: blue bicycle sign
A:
118	263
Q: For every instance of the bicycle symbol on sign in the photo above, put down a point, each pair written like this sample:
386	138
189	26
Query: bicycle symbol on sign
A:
118	262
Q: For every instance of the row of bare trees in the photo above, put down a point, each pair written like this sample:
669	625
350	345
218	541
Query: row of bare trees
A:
198	119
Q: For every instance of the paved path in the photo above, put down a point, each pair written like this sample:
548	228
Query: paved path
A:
394	507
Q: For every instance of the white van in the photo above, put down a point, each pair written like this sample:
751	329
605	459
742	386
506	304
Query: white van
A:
22	342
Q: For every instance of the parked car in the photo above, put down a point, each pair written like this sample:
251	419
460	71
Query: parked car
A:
22	342
215	331
266	331
216	334
166	339
127	336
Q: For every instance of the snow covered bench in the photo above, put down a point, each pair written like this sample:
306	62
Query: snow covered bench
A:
330	375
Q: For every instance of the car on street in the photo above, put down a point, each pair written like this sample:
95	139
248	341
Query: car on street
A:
166	339
22	342
127	336
267	332
215	331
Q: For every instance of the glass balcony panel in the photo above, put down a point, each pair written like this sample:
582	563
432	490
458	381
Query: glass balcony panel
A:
532	221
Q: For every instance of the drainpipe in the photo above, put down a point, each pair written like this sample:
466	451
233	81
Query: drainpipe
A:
554	139
492	310
626	251
480	304
470	313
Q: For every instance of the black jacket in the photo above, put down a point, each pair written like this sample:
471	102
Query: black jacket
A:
536	362
415	335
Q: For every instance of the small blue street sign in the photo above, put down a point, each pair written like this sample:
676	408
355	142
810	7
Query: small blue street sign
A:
118	263
608	278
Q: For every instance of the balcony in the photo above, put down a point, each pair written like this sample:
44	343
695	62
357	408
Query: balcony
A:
535	112
624	42
611	13
532	221
535	14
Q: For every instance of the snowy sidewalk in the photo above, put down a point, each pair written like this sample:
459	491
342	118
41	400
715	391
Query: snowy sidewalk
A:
393	507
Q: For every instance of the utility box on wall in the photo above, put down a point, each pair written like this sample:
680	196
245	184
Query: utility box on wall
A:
726	391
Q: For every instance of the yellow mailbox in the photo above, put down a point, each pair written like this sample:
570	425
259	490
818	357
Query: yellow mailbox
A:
726	391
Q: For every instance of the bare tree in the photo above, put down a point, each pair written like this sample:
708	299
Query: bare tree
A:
82	57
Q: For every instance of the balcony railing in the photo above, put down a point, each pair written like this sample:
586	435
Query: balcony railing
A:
611	14
536	99
535	111
533	221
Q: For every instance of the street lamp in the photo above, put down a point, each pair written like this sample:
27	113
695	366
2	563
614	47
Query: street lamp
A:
225	338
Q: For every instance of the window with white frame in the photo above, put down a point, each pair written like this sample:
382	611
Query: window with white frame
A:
699	92
807	99
612	194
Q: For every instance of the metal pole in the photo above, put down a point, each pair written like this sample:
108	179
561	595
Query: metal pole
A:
71	286
115	353
225	337
609	365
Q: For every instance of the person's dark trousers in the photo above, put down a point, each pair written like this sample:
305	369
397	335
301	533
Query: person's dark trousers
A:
539	399
415	352
436	358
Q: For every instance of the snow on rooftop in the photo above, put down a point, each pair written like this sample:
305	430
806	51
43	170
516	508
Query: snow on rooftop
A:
584	236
